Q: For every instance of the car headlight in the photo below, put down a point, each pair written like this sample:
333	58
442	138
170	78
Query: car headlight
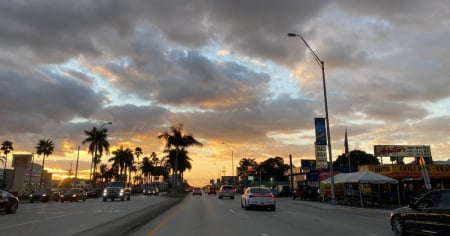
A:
44	195
31	195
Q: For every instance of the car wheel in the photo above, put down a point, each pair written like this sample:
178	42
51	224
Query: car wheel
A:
104	199
272	208
62	200
398	226
13	208
128	198
31	201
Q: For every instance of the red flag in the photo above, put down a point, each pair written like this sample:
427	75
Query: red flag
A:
346	143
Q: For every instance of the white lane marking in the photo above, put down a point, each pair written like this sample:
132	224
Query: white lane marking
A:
232	211
264	234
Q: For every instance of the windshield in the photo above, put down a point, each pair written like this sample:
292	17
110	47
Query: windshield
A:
117	184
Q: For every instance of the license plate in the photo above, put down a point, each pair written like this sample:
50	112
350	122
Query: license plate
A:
261	203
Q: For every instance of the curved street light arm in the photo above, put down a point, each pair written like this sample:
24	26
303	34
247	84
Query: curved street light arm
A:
320	62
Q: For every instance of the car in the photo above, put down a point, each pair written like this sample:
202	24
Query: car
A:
284	191
429	215
212	190
73	195
93	192
258	197
8	202
274	192
197	191
226	191
304	192
44	195
151	190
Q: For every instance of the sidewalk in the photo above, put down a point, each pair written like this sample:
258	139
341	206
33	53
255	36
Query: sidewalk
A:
327	205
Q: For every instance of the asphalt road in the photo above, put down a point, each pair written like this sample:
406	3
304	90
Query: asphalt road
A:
193	215
92	217
207	215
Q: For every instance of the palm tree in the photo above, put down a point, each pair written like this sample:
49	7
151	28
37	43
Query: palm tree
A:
146	168
97	145
155	159
177	141
105	173
7	147
44	147
123	158
138	153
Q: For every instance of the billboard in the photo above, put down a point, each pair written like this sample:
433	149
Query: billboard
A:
21	160
402	151
321	156
308	165
321	135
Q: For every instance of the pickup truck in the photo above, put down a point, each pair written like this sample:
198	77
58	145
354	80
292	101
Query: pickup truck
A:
117	189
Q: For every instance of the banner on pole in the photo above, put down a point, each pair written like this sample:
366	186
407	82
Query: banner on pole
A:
321	132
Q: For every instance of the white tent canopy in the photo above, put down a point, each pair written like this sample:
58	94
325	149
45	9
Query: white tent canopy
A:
363	177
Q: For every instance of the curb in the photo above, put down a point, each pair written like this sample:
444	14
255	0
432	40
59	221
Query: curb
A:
324	205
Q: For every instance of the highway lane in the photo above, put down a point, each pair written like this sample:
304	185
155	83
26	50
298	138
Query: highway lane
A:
71	218
208	215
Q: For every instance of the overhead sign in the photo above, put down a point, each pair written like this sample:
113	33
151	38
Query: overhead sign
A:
402	151
321	135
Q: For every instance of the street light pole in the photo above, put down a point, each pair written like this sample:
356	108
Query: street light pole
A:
31	171
322	66
76	167
232	164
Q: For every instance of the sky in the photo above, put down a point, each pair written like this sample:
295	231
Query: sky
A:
228	72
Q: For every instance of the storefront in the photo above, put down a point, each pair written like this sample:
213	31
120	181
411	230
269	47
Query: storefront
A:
411	178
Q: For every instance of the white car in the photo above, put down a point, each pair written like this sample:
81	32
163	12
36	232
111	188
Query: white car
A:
258	197
196	191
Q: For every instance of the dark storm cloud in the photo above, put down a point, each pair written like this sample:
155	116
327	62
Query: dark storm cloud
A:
252	122
137	119
53	31
199	81
32	99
